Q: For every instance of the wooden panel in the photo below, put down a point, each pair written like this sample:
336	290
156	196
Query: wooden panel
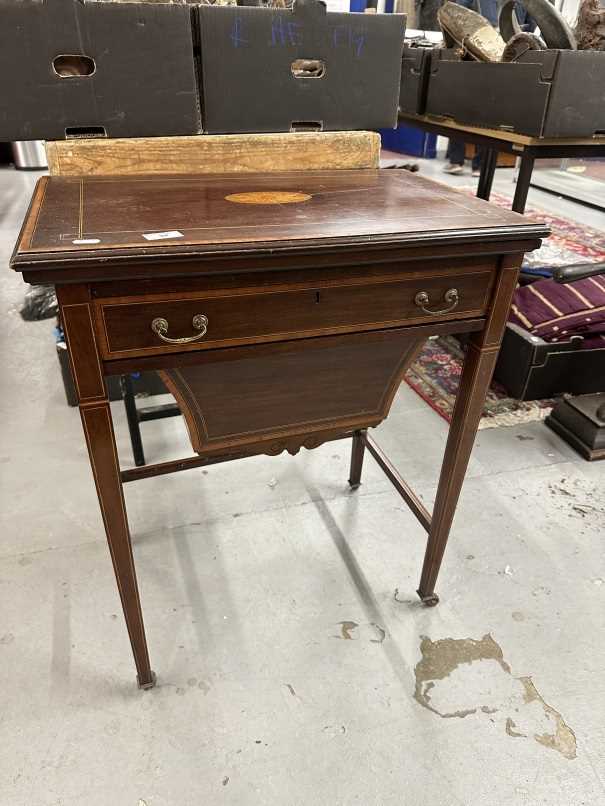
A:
80	337
211	154
505	285
318	275
275	392
498	134
161	217
236	316
161	361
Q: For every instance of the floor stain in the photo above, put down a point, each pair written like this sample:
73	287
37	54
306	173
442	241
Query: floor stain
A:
510	729
291	689
579	497
381	634
7	638
460	677
203	686
564	739
225	780
334	730
518	615
346	627
369	631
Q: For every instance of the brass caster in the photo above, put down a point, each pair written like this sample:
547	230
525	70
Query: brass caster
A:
430	601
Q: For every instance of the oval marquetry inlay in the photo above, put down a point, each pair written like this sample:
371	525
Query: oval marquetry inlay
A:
268	197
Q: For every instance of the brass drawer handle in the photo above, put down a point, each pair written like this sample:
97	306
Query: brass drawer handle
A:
199	322
451	296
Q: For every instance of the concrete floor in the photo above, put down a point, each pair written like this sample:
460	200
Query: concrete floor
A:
295	666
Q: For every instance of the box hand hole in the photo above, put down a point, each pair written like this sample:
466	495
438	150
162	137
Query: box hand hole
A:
84	132
308	68
72	66
306	126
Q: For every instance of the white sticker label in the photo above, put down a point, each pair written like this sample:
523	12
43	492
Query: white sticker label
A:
82	241
161	236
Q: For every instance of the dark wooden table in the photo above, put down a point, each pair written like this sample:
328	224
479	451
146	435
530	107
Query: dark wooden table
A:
282	310
527	148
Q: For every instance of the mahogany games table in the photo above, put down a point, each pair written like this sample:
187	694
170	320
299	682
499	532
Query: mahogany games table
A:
281	309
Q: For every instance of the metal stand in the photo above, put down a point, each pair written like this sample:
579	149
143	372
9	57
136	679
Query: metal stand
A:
523	182
488	169
135	416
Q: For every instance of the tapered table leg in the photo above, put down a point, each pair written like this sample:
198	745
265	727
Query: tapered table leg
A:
478	368
357	450
523	182
98	429
479	365
488	169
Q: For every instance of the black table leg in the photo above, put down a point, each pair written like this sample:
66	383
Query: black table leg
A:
133	419
525	171
488	168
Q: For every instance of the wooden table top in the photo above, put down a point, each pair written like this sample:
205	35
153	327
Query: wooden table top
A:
77	219
500	134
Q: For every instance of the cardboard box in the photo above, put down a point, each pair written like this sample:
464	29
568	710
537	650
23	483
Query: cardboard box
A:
71	68
415	71
547	93
275	70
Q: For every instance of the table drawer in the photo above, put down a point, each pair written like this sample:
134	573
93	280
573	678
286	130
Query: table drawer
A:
223	318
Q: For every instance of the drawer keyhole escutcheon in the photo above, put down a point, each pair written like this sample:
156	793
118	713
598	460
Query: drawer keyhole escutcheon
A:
451	297
199	322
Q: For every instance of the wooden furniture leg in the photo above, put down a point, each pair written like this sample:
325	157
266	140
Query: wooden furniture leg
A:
488	169
478	368
100	440
523	181
477	373
357	451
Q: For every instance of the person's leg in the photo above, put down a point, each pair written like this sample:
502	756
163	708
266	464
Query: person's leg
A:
477	160
489	10
456	152
455	157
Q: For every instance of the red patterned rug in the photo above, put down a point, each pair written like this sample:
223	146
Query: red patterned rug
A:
569	243
435	374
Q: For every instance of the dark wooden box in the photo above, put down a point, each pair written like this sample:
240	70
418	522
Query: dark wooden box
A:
530	368
69	68
252	80
548	93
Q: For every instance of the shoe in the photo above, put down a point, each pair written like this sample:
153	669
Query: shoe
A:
476	171
450	168
473	33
